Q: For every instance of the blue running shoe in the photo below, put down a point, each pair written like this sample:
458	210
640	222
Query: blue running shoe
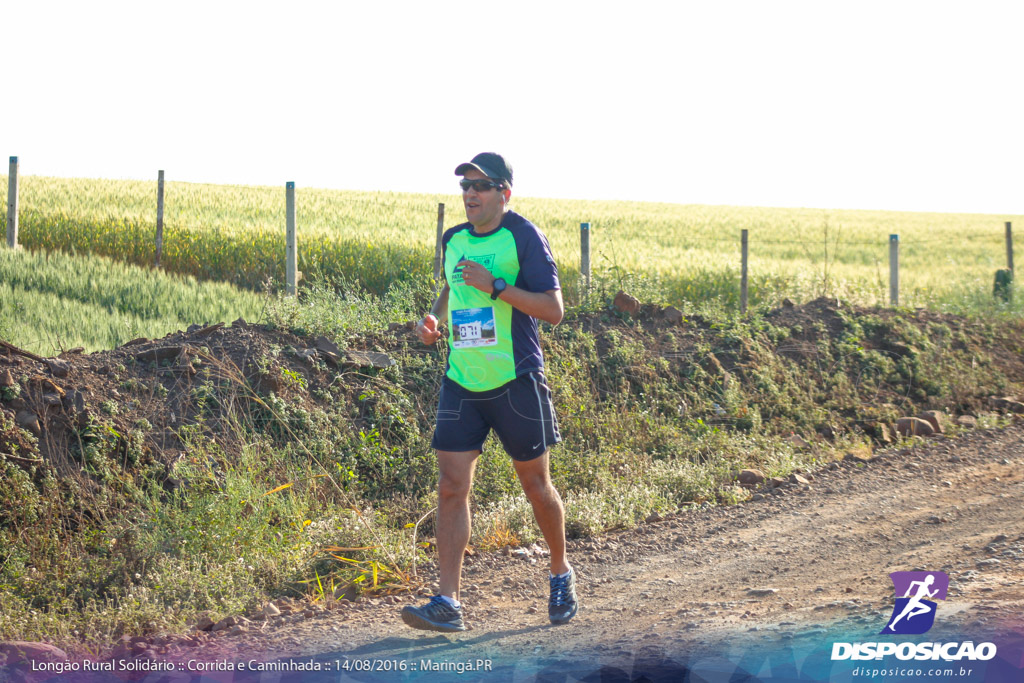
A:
563	604
436	615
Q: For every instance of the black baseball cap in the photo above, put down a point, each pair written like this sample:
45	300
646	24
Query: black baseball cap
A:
490	164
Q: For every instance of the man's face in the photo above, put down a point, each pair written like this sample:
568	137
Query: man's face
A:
483	209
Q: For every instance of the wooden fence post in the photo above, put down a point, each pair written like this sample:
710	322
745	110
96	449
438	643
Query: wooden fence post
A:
744	250
1009	246
159	216
291	255
585	258
894	270
12	205
437	243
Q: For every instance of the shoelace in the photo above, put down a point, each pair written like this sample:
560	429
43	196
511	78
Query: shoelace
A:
559	591
437	604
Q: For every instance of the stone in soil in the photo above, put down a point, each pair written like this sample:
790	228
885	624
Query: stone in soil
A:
914	426
625	303
935	418
751	477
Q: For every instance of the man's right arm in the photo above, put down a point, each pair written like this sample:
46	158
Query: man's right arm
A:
428	328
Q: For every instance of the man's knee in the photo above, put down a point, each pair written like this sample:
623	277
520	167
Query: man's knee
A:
536	486
450	487
535	478
456	474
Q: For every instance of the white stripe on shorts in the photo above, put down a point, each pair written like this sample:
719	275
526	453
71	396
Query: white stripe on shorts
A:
540	412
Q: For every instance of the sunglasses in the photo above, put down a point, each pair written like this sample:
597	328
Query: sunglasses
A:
480	185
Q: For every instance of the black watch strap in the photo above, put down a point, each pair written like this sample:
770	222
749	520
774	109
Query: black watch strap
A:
499	287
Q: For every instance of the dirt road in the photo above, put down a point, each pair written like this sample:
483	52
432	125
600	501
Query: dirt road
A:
723	588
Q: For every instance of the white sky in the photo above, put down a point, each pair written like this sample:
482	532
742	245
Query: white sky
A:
873	105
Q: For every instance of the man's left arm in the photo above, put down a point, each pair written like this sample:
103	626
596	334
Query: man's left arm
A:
546	306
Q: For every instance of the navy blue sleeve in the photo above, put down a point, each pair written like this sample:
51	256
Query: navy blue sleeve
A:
445	239
537	269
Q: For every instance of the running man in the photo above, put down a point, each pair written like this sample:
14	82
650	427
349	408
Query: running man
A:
500	279
914	606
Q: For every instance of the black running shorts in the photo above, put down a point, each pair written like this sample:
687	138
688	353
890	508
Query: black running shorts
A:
519	412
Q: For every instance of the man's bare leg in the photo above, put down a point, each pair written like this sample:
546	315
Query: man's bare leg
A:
453	520
535	477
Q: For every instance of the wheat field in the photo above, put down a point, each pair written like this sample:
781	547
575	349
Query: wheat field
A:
673	253
50	302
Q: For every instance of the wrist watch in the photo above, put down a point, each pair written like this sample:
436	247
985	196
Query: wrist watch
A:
499	287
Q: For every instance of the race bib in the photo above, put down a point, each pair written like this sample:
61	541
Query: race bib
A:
473	327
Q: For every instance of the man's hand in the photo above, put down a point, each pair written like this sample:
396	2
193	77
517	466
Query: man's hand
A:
427	330
476	275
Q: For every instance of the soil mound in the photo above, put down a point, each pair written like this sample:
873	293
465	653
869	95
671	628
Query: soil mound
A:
145	399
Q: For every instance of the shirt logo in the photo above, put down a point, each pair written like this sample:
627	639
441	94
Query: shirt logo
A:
486	260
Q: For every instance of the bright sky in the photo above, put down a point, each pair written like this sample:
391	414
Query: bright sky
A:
872	105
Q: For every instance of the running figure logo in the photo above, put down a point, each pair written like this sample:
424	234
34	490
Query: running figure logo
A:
914	612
